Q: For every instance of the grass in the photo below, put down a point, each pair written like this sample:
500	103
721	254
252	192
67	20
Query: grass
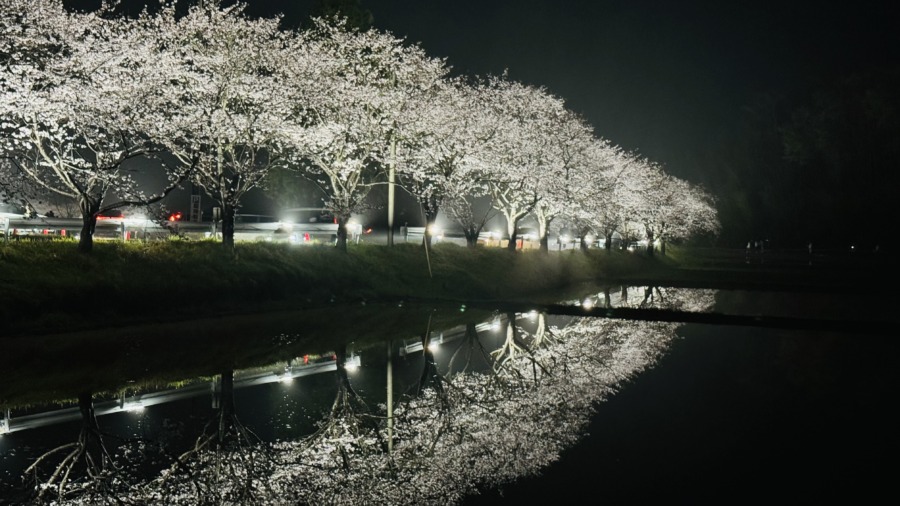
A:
47	287
70	321
50	287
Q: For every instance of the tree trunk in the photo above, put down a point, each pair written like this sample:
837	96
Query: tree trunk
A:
543	230
226	405
662	248
89	212
471	237
512	229
607	243
86	407
86	239
430	210
341	243
650	244
228	226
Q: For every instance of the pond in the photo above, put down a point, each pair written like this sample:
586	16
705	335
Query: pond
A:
456	405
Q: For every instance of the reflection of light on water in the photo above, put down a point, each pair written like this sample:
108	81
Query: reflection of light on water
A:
134	408
531	400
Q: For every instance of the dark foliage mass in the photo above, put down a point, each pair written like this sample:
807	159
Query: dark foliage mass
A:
815	168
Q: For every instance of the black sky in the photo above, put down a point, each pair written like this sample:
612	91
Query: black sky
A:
664	78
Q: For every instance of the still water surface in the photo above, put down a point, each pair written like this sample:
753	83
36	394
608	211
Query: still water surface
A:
505	408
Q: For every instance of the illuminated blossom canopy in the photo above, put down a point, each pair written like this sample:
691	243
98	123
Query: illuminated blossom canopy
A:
221	98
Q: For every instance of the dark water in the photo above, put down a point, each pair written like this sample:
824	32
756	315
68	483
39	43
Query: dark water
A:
744	415
739	415
693	413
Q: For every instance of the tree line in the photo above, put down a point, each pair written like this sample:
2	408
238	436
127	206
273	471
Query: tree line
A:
215	97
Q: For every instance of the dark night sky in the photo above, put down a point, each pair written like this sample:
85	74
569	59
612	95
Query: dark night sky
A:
662	78
659	77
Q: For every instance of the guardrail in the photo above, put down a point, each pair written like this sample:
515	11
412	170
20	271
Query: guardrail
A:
17	227
416	234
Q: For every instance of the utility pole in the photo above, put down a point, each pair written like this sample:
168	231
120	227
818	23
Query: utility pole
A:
196	215
392	176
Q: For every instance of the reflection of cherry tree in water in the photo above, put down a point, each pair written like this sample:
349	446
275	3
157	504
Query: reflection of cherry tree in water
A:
481	428
88	468
350	422
677	299
457	432
227	463
516	347
649	299
431	377
465	353
347	452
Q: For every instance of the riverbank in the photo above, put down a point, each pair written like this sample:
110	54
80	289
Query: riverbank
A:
49	287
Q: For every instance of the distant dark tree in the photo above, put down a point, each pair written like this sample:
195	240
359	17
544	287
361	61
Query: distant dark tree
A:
815	166
749	173
843	144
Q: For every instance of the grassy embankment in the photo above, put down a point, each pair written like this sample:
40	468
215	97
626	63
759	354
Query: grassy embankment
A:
190	291
47	287
201	301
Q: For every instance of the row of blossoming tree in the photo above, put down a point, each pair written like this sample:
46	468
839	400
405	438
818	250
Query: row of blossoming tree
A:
221	99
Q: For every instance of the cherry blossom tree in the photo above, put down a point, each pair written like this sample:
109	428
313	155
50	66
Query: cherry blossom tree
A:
616	201
517	150
329	130
694	213
441	169
670	207
587	176
69	111
222	98
360	106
